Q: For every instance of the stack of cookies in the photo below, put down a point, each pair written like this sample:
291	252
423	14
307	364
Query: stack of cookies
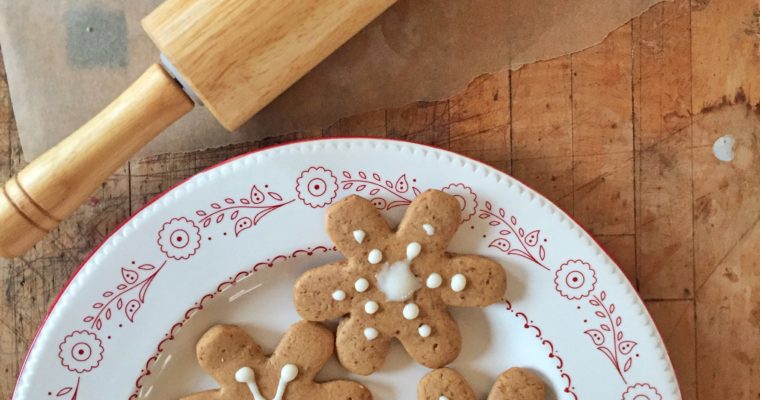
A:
392	284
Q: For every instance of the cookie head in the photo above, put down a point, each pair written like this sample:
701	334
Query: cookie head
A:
448	384
396	284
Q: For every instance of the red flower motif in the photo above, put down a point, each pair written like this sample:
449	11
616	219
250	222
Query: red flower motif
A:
81	351
641	391
575	279
179	238
468	200
317	187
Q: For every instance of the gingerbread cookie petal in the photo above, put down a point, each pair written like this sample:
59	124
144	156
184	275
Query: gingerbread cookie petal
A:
354	225
361	349
517	384
436	342
431	220
323	293
306	344
444	384
473	281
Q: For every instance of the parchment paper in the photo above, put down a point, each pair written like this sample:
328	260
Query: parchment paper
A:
67	59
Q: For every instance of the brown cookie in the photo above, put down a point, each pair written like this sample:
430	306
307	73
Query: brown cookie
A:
243	372
397	284
448	384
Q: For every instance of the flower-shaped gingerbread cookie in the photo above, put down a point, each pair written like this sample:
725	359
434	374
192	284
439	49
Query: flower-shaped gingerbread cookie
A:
243	372
448	384
397	284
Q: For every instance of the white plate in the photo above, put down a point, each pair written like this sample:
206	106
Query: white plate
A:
227	245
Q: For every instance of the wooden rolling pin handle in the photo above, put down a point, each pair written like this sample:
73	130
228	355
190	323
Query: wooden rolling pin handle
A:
55	184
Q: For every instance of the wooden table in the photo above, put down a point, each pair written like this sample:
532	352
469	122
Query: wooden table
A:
619	135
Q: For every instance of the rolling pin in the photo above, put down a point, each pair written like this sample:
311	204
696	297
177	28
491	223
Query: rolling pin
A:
233	56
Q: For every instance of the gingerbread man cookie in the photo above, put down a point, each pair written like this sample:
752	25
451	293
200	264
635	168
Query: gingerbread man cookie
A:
397	284
448	384
243	372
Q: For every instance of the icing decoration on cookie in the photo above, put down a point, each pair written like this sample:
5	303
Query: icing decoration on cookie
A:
371	307
371	333
417	288
413	250
434	280
428	229
361	285
458	283
375	256
424	330
247	376
339	295
359	236
411	311
397	281
443	398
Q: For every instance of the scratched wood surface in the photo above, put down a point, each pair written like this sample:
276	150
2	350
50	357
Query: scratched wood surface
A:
619	135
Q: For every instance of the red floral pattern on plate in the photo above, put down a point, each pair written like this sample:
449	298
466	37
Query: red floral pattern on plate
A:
641	391
575	280
317	187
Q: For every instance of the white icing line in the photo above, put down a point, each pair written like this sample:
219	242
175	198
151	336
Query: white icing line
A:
339	295
429	229
361	285
413	250
371	333
359	236
375	256
434	280
411	311
458	282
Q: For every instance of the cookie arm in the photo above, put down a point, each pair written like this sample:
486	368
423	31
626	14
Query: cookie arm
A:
341	390
314	293
484	281
444	382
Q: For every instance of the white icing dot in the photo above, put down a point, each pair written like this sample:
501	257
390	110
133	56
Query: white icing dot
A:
288	372
370	333
361	285
458	282
413	250
339	295
443	398
375	256
371	307
411	311
434	280
428	229
425	330
359	236
244	375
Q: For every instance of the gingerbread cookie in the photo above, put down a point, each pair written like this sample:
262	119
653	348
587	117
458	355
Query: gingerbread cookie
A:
448	384
243	372
397	284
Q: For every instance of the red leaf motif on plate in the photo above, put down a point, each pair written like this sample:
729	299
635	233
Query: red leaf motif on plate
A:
146	267
220	218
502	213
347	174
88	318
360	188
618	321
108	294
402	185
489	206
605	327
593	302
603	295
612	308
98	324
505	232
119	304
628	365
201	213
206	222
363	175
521	232
245	201
389	184
234	215
596	336
493	223
501	244
542	252
131	309
129	276
97	305
256	196
64	391
229	201
600	314
619	335
144	290
347	186
416	191
121	286
532	238
484	216
513	220
376	176
397	204
108	314
626	346
242	224
374	192
215	206
275	196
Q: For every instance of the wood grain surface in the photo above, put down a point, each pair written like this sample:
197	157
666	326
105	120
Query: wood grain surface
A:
619	135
